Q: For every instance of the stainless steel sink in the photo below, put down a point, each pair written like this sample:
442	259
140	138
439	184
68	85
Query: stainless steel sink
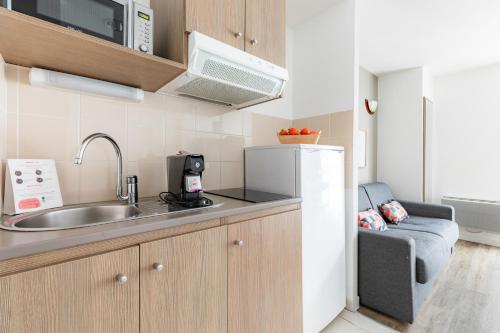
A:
72	217
91	215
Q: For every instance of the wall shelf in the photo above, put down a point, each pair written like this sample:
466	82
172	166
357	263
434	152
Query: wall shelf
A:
31	42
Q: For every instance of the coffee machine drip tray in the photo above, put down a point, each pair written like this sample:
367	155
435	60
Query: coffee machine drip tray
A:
199	202
249	195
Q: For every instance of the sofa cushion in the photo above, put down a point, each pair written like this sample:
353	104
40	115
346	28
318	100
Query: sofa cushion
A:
378	193
363	202
371	219
431	251
446	229
393	212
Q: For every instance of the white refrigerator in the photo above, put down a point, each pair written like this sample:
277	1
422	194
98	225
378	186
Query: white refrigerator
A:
315	173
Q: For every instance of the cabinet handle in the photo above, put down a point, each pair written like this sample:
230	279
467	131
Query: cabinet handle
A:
238	35
121	279
158	267
238	242
254	41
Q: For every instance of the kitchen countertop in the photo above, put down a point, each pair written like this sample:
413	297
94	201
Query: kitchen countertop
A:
15	244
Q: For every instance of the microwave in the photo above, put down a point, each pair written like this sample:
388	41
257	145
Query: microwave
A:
125	22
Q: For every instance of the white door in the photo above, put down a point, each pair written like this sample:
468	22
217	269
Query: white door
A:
321	187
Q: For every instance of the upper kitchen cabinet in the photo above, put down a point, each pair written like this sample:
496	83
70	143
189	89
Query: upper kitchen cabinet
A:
265	30
221	19
254	26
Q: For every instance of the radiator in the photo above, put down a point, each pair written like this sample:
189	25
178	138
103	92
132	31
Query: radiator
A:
475	213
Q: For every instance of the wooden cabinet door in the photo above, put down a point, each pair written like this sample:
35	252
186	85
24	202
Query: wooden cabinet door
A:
264	275
265	35
190	293
78	296
221	19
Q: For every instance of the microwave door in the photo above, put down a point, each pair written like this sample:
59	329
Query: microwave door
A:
105	19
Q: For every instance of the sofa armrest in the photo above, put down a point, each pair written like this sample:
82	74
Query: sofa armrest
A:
429	210
386	268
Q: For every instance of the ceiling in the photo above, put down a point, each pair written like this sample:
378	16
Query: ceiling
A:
445	35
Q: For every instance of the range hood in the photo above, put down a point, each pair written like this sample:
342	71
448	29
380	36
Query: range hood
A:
223	74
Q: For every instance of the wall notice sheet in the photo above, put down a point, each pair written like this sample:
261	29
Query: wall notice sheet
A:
31	185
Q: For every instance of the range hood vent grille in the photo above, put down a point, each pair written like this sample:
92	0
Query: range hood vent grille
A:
241	77
221	73
218	92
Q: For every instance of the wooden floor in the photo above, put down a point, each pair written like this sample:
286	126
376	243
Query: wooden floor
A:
464	299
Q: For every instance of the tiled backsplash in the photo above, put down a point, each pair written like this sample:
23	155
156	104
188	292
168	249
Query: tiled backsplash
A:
51	123
336	130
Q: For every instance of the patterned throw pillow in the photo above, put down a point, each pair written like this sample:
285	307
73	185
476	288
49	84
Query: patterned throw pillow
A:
393	212
372	220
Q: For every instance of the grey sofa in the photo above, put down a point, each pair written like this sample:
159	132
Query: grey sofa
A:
397	267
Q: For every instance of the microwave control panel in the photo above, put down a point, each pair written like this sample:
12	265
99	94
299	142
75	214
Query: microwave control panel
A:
142	28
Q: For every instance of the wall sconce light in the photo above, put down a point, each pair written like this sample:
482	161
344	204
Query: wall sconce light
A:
371	106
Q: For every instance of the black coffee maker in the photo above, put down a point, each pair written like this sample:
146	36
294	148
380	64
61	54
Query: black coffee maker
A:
184	180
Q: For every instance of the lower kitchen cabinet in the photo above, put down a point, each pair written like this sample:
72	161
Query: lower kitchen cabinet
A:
264	275
184	283
95	294
237	278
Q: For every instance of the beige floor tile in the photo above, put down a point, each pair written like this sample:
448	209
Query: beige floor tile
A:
340	325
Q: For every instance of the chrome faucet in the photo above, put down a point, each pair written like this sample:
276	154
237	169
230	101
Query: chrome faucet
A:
132	187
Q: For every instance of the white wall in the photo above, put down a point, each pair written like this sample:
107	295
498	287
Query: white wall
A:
368	88
399	149
427	83
467	134
283	107
323	59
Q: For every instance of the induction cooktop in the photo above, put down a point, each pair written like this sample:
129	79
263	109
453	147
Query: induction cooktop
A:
249	195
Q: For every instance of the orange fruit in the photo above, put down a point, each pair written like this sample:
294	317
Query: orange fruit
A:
293	131
305	131
283	132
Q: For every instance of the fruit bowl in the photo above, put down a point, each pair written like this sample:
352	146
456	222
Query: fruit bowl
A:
310	139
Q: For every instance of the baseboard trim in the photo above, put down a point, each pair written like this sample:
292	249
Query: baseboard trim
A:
479	236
